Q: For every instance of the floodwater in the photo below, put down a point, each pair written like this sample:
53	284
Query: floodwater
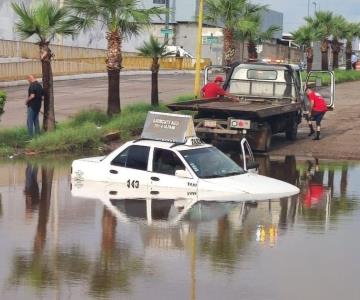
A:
100	246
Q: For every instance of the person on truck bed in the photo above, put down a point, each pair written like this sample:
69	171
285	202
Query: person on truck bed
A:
214	89
318	108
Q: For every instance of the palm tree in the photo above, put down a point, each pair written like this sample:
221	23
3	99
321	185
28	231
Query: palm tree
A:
305	36
156	50
229	13
322	23
338	33
250	30
43	22
352	30
122	19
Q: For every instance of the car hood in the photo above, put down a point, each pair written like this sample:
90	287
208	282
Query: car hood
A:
91	159
245	187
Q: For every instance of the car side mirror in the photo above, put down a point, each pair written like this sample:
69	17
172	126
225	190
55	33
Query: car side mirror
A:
183	174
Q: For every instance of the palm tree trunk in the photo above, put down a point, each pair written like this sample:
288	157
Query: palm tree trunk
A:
229	47
154	82
335	46
242	51
252	53
113	64
309	58
324	55
40	237
348	55
47	78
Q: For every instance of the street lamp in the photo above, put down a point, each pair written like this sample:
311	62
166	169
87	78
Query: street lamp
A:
314	6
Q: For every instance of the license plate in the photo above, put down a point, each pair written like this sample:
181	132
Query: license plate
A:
210	123
238	123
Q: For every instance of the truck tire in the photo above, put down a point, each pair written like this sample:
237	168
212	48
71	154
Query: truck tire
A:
266	137
291	133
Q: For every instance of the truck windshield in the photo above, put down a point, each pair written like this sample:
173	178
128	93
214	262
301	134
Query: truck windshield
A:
210	162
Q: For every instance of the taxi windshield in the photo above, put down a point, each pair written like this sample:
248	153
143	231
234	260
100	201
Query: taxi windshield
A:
210	162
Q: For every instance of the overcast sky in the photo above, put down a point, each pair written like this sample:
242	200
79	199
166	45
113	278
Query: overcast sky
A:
295	10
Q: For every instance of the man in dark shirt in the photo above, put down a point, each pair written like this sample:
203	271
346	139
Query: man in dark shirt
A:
33	103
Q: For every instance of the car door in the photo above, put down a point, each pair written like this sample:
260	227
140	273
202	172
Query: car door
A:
130	168
323	82
165	181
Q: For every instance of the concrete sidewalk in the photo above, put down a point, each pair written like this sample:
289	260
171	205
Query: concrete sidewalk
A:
98	75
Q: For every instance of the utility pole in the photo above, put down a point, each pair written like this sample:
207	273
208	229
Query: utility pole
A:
308	8
167	6
198	50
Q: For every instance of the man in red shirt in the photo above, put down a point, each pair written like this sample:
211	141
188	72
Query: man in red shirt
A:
214	89
318	109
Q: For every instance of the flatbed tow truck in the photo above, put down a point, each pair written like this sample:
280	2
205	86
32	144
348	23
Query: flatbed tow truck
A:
270	100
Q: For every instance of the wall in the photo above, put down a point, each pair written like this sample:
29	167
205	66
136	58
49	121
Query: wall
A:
276	52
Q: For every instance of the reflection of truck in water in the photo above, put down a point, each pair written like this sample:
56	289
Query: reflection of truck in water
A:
270	101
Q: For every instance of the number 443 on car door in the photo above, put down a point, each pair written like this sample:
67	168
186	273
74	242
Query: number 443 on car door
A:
133	184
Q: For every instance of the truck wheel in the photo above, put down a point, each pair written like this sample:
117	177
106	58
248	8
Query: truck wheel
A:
266	137
291	133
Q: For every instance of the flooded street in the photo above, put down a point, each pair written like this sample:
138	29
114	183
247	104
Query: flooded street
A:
94	242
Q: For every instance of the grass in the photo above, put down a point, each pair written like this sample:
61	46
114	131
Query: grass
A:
2	101
84	132
340	76
185	97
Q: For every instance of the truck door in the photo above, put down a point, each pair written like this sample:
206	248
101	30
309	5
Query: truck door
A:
323	82
247	157
212	71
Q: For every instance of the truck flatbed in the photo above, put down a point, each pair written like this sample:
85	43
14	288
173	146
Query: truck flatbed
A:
241	108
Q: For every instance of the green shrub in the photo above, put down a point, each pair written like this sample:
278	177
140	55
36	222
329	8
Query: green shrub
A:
88	136
13	137
2	101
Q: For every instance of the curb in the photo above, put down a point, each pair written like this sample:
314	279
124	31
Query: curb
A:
97	75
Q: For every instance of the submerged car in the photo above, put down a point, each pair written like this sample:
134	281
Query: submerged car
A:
183	166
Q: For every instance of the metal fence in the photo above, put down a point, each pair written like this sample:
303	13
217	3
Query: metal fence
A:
19	70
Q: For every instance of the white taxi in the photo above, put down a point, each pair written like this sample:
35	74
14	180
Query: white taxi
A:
182	167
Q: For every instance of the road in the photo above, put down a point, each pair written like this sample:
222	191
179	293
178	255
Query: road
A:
340	134
340	128
72	96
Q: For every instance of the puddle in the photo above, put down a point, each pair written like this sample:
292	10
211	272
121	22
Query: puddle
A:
106	246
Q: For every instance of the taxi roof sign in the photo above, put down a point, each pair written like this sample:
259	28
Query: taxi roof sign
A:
167	127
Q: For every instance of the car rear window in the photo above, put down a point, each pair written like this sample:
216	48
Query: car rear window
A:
262	74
